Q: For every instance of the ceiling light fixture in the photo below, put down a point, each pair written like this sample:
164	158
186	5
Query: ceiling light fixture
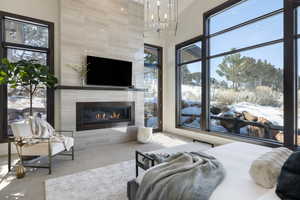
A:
161	16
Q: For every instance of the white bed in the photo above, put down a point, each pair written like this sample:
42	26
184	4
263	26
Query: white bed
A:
236	158
238	185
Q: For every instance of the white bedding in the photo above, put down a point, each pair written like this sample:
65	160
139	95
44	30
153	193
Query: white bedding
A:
238	185
236	158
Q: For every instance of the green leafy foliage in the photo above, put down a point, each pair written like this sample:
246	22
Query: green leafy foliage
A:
232	68
150	58
28	74
6	72
249	73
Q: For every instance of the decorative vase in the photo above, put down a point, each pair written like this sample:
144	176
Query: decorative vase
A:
82	81
20	171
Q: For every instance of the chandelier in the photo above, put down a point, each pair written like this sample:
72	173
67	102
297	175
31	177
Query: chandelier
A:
161	16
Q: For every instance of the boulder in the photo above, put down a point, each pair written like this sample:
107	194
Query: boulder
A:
215	110
231	125
260	132
249	117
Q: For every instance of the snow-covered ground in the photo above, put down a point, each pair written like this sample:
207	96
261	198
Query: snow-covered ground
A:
20	102
190	93
192	110
273	114
16	104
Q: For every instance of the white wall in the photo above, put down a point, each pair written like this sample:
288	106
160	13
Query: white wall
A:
110	29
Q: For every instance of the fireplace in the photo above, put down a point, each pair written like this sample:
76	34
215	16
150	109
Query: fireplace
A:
98	115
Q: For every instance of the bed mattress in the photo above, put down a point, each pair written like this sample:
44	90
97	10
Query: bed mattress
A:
236	158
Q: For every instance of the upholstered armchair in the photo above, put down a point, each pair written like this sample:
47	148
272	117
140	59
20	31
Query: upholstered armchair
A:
41	146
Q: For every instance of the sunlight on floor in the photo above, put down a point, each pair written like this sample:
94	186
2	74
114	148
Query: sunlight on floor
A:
167	141
6	178
15	196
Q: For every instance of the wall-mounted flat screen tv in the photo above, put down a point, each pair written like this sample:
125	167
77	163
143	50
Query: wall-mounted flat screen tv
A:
108	72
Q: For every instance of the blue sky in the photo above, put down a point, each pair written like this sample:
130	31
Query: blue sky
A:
259	32
243	12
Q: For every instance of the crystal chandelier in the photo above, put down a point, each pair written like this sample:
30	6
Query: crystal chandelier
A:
161	16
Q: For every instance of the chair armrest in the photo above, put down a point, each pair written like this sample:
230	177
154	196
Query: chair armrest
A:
145	161
12	139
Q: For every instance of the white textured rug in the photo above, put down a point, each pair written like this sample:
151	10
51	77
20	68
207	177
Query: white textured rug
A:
106	183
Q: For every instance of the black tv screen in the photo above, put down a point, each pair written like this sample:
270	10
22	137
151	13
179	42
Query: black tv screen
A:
108	72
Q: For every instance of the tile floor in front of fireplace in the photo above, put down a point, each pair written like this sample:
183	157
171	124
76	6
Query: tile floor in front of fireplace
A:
32	186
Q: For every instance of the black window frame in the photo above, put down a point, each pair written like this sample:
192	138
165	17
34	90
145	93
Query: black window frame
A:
290	73
293	12
178	65
160	85
3	53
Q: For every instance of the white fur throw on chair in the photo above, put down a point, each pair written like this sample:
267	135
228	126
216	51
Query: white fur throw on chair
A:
41	128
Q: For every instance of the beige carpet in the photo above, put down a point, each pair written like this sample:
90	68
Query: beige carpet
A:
106	183
92	156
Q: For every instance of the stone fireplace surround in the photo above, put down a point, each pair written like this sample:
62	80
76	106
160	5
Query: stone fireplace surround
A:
67	116
101	29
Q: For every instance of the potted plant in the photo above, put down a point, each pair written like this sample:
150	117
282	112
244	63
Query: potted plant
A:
27	74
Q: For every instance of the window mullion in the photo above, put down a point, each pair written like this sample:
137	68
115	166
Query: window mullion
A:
3	88
290	76
25	47
205	117
247	48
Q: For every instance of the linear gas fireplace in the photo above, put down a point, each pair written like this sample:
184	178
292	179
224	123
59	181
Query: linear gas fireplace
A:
97	115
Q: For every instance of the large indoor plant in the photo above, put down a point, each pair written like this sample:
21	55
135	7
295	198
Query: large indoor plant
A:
27	74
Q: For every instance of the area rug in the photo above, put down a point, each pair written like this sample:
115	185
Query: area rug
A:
106	183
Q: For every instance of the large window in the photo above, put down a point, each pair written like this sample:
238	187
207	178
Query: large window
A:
153	85
24	38
188	68
248	79
245	61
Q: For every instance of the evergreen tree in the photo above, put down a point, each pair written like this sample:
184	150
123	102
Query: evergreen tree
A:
250	73
233	69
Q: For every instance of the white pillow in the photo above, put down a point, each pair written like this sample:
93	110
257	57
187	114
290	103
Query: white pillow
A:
266	169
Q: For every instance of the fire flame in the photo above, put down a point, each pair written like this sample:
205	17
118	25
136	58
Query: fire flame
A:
115	115
103	116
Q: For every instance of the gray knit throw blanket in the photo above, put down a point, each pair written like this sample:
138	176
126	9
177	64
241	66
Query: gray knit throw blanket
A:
183	176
